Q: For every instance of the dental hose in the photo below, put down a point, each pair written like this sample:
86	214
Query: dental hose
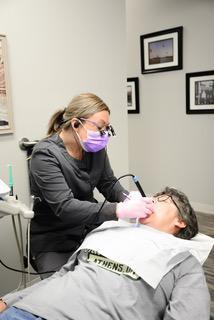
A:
137	183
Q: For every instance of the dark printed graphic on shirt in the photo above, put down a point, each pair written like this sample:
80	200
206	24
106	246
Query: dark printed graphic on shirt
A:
108	264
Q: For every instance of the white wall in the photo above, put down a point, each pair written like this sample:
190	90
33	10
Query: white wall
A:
57	49
171	147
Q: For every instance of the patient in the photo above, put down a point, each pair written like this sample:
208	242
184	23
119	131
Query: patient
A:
121	271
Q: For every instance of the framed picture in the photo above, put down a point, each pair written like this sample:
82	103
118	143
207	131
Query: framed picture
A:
6	124
133	95
200	92
162	50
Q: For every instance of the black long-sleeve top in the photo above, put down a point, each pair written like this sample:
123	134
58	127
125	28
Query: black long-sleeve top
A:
65	208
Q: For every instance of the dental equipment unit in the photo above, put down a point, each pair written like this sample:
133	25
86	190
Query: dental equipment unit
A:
10	205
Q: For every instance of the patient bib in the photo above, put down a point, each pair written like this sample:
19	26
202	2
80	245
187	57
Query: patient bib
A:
150	253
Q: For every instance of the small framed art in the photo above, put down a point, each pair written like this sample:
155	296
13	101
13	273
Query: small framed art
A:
200	92
133	95
162	50
6	124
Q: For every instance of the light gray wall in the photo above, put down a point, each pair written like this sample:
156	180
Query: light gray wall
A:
57	49
167	146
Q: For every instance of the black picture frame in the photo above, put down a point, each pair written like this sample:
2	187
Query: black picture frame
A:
200	92
133	95
6	114
162	50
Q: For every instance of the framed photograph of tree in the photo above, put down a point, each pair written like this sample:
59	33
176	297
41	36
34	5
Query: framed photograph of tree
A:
6	123
162	50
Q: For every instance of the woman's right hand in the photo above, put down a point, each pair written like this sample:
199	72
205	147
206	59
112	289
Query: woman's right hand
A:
3	305
139	207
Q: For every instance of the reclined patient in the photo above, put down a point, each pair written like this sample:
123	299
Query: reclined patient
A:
150	272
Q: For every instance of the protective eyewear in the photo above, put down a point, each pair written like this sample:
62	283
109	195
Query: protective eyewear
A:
108	129
165	197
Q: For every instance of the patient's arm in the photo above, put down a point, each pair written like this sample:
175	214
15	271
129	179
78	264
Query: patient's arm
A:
190	298
12	298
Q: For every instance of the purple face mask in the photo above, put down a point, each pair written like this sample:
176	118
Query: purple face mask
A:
95	141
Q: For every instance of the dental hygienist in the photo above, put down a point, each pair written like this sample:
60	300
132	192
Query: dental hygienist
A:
65	168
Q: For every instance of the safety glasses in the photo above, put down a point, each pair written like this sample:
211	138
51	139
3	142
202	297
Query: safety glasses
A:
103	130
165	197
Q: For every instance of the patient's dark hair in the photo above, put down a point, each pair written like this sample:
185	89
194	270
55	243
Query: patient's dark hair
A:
186	212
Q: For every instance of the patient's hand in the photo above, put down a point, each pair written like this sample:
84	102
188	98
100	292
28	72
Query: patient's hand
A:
3	306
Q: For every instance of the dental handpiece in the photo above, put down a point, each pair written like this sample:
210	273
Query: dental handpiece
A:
136	181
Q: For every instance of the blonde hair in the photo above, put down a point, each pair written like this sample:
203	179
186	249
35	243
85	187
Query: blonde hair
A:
82	106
